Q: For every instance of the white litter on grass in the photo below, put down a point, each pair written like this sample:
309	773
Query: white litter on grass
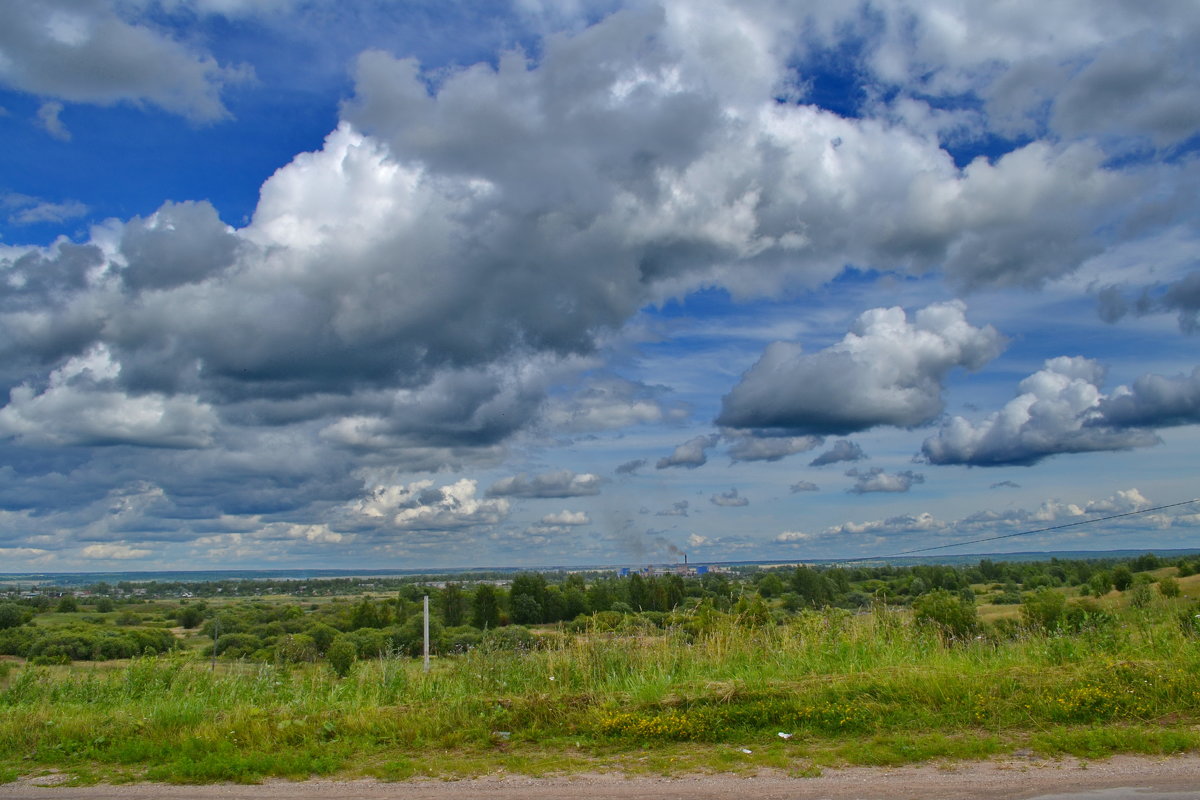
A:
747	752
783	735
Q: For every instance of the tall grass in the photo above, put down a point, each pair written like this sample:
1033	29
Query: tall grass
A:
824	677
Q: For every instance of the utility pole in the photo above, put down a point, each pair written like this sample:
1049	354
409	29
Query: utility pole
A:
427	633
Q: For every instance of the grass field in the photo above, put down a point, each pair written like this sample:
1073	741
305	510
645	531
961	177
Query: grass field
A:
872	688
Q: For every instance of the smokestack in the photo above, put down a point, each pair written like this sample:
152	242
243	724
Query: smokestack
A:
685	559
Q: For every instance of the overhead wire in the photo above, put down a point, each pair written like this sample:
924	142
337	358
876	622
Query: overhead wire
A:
1024	533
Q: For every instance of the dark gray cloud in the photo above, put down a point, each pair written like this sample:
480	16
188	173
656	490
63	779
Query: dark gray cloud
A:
877	480
1181	296
85	52
630	467
180	243
559	483
803	486
690	454
730	499
886	371
1005	485
609	402
1061	409
679	509
842	450
1154	401
747	447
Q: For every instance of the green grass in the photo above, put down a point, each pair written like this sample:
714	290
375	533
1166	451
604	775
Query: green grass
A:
870	689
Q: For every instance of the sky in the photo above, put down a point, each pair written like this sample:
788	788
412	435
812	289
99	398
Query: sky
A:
304	283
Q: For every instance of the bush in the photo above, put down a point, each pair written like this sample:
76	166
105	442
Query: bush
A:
12	615
1101	583
296	648
511	638
190	616
463	638
237	645
323	635
953	616
89	643
1122	578
373	642
1045	609
67	604
1140	595
1168	587
1189	620
341	655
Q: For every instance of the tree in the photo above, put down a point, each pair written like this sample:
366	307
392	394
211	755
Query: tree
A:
67	604
810	585
525	609
365	615
454	605
527	598
485	607
639	593
770	585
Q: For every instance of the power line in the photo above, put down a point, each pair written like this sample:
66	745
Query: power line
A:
1025	533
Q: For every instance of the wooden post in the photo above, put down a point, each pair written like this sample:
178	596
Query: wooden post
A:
427	633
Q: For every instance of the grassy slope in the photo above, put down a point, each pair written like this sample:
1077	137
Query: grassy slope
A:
858	689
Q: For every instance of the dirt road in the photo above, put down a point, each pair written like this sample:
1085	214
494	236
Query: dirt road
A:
1176	778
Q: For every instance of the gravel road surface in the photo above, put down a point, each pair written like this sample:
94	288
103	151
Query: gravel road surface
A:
1175	778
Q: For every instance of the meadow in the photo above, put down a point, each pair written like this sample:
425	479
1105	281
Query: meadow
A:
703	688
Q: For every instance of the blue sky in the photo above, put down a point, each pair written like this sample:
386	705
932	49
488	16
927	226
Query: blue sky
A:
430	284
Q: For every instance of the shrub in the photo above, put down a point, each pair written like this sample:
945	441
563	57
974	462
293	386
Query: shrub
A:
67	604
1101	583
190	616
323	635
1168	587
954	617
296	648
341	655
1189	620
12	615
1122	577
237	645
511	638
1045	609
1140	595
463	638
